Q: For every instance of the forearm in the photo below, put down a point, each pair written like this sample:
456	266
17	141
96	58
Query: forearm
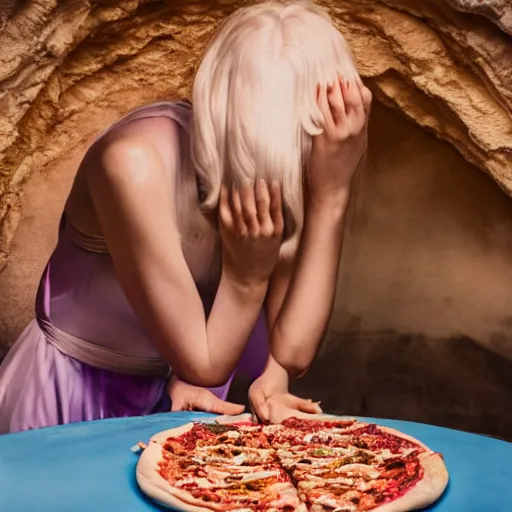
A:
232	319
307	307
200	351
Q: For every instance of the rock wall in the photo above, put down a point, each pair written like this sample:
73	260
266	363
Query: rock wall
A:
426	272
446	70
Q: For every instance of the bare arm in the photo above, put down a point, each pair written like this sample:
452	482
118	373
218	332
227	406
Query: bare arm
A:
335	155
307	290
134	203
272	385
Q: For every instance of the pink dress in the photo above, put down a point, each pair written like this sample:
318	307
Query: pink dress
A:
82	315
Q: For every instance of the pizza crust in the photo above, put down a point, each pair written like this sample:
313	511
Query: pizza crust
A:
428	490
279	413
233	420
397	433
158	489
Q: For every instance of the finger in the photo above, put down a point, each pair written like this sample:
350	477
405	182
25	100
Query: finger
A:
323	103
367	99
276	208
302	404
259	404
366	94
224	209
352	97
263	208
178	405
214	404
336	103
249	210
238	217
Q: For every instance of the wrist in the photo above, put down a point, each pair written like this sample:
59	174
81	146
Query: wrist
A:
330	205
275	373
327	210
246	288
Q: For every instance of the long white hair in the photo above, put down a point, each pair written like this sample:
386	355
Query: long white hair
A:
254	101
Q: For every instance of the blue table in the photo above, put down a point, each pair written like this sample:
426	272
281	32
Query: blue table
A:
89	466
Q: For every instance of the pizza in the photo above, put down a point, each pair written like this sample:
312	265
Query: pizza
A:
316	463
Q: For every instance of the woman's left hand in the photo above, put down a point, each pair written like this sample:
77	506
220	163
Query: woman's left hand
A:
337	151
186	397
271	389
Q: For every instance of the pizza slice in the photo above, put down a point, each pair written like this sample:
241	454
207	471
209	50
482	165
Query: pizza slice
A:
225	465
348	466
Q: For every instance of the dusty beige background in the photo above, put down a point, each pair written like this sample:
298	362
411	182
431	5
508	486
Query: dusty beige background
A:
421	328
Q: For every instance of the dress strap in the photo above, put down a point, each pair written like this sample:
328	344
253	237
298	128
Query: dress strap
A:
87	241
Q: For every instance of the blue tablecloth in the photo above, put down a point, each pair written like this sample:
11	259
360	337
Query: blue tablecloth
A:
89	466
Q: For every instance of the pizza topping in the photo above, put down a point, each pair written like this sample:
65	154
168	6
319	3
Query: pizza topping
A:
217	428
359	470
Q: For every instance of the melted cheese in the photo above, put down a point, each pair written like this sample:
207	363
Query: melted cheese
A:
359	470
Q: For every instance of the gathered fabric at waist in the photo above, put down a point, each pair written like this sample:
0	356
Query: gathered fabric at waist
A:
102	357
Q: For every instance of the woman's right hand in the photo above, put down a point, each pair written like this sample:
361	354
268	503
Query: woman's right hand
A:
186	397
251	228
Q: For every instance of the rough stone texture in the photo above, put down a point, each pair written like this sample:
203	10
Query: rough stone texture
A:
426	278
448	71
498	11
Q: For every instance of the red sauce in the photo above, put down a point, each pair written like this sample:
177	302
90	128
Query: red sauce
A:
403	481
376	439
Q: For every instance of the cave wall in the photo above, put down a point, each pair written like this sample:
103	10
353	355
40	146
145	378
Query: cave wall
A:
445	68
421	324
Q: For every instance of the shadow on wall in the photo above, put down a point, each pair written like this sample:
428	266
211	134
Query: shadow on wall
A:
451	382
429	245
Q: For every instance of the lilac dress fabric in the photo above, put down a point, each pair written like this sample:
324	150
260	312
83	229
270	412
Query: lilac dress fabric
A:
79	293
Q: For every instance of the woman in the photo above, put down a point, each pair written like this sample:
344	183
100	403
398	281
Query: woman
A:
197	240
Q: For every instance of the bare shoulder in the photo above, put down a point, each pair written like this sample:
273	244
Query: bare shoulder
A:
145	149
132	160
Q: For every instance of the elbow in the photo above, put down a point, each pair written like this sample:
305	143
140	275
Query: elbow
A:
207	377
295	362
295	358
